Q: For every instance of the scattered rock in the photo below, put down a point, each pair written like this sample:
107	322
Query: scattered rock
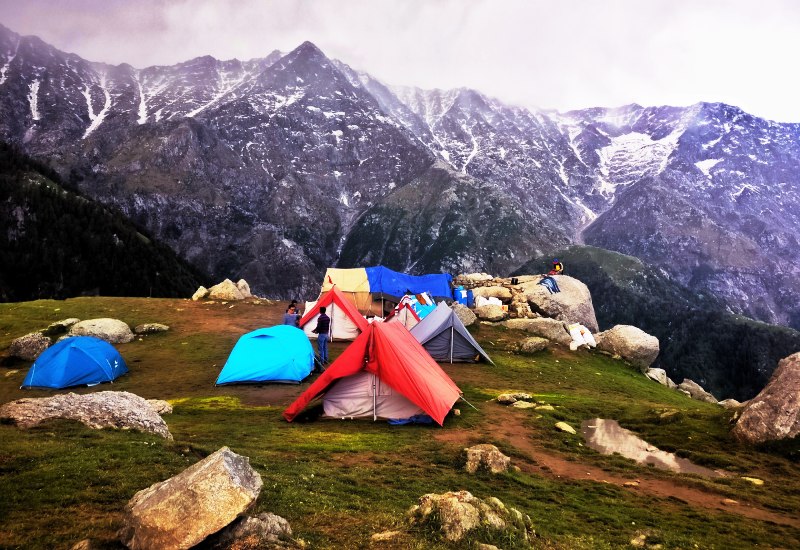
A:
200	293
105	409
456	513
545	408
696	391
729	502
553	330
731	404
754	480
523	405
225	290
660	376
464	314
482	546
632	344
512	397
160	406
533	344
564	427
491	312
639	541
775	412
631	484
487	457
255	533
385	536
475	277
112	331
30	346
183	510
60	327
85	544
150	328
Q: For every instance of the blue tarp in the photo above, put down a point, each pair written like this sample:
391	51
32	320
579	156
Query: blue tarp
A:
276	354
76	361
383	279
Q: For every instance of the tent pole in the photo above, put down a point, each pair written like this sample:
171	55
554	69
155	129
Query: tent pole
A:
468	403
374	399
452	336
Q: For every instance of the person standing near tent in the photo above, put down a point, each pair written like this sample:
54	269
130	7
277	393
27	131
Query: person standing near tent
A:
291	317
321	330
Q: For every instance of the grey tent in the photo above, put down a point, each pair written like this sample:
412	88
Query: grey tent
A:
446	338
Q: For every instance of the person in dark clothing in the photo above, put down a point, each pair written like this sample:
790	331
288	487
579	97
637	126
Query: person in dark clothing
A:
291	317
321	330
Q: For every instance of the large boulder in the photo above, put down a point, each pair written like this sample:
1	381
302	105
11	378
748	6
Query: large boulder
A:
226	291
491	312
474	277
60	327
105	409
500	292
200	293
572	305
29	347
244	288
112	331
487	457
631	343
264	531
457	513
696	391
775	412
150	328
464	314
552	329
183	510
660	376
533	344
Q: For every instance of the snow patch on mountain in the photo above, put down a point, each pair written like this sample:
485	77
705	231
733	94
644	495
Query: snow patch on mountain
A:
33	100
705	166
7	65
97	119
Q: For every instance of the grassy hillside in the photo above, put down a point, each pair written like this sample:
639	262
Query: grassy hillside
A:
54	243
729	355
340	482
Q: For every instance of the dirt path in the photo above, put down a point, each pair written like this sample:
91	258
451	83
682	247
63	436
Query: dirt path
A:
543	462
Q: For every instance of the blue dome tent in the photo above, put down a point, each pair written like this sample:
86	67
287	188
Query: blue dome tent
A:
276	354
76	361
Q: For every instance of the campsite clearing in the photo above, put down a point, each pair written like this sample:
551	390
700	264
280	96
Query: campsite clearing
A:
340	482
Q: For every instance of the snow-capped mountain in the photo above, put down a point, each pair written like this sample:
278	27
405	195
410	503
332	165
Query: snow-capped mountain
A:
275	168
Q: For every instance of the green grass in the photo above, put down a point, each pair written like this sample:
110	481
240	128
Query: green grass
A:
339	482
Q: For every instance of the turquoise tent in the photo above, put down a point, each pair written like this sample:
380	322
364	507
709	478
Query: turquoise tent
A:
76	361
276	354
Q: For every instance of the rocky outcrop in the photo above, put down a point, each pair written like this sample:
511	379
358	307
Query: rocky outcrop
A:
456	513
660	376
60	327
486	457
200	293
632	344
105	409
731	404
464	314
775	412
150	328
264	531
491	313
226	291
553	330
512	397
500	292
29	347
696	391
572	305
185	509
112	331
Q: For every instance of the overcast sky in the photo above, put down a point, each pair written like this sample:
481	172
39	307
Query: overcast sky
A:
558	54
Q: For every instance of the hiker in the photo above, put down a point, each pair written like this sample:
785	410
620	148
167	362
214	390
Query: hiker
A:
558	268
291	317
321	330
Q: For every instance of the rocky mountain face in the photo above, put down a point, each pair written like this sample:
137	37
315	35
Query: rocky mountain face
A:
275	168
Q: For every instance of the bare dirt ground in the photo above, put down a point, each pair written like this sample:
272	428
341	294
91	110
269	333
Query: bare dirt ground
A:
508	426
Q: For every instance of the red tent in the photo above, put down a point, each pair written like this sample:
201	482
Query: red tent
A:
403	314
394	356
346	321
